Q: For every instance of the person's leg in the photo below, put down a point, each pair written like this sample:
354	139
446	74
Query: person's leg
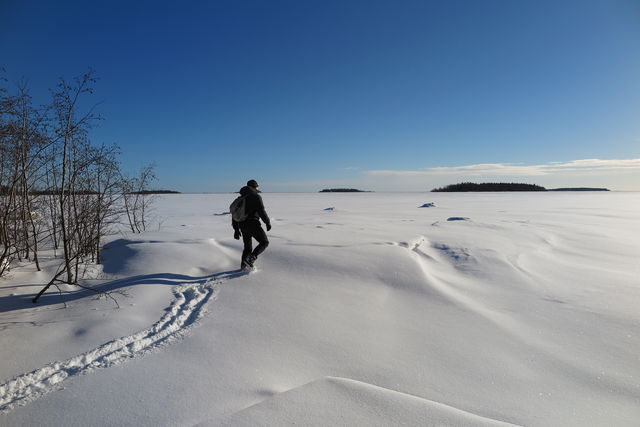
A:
248	246
262	239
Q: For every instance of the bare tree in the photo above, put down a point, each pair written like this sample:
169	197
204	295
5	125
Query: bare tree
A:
137	198
84	179
57	189
9	171
32	144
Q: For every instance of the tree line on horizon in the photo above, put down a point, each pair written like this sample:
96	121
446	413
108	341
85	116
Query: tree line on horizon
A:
342	190
58	189
489	186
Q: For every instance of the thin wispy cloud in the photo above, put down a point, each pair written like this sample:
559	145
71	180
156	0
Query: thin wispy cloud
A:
517	169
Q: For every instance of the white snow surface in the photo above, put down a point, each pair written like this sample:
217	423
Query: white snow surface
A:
524	310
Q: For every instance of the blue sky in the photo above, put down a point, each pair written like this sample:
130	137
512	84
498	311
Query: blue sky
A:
381	95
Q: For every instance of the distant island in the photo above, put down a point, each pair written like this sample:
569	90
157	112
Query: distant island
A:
489	186
579	189
342	190
505	186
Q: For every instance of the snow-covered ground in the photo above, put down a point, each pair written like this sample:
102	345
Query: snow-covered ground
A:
483	309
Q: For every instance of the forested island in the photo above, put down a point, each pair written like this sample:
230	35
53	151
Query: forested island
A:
505	186
342	190
489	186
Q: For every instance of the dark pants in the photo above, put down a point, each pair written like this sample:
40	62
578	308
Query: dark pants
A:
253	230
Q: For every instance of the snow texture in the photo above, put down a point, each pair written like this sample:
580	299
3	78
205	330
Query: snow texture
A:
184	312
378	313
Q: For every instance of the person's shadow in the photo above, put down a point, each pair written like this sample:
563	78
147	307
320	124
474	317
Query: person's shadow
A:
53	296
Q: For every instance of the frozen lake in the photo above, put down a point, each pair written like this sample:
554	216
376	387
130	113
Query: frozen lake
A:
366	309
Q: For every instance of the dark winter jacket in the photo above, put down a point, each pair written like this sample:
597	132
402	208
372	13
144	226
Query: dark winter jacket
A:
253	206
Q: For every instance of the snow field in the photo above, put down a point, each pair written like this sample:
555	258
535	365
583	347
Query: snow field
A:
184	312
525	313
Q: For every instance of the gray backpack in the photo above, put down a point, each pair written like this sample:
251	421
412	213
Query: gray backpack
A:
238	209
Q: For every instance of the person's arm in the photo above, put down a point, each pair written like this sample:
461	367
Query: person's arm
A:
263	213
236	229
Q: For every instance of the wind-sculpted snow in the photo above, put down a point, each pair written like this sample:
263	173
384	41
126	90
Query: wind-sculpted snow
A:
184	312
426	258
344	401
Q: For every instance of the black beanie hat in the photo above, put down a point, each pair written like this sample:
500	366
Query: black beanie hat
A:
252	183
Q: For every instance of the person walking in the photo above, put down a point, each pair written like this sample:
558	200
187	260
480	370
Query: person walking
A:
247	211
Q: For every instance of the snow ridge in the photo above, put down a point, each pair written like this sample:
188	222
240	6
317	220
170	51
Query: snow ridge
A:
183	313
421	248
344	401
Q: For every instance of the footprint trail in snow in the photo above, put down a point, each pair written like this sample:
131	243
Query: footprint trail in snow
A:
183	313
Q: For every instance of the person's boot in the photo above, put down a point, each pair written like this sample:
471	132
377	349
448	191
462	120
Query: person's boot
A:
249	260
